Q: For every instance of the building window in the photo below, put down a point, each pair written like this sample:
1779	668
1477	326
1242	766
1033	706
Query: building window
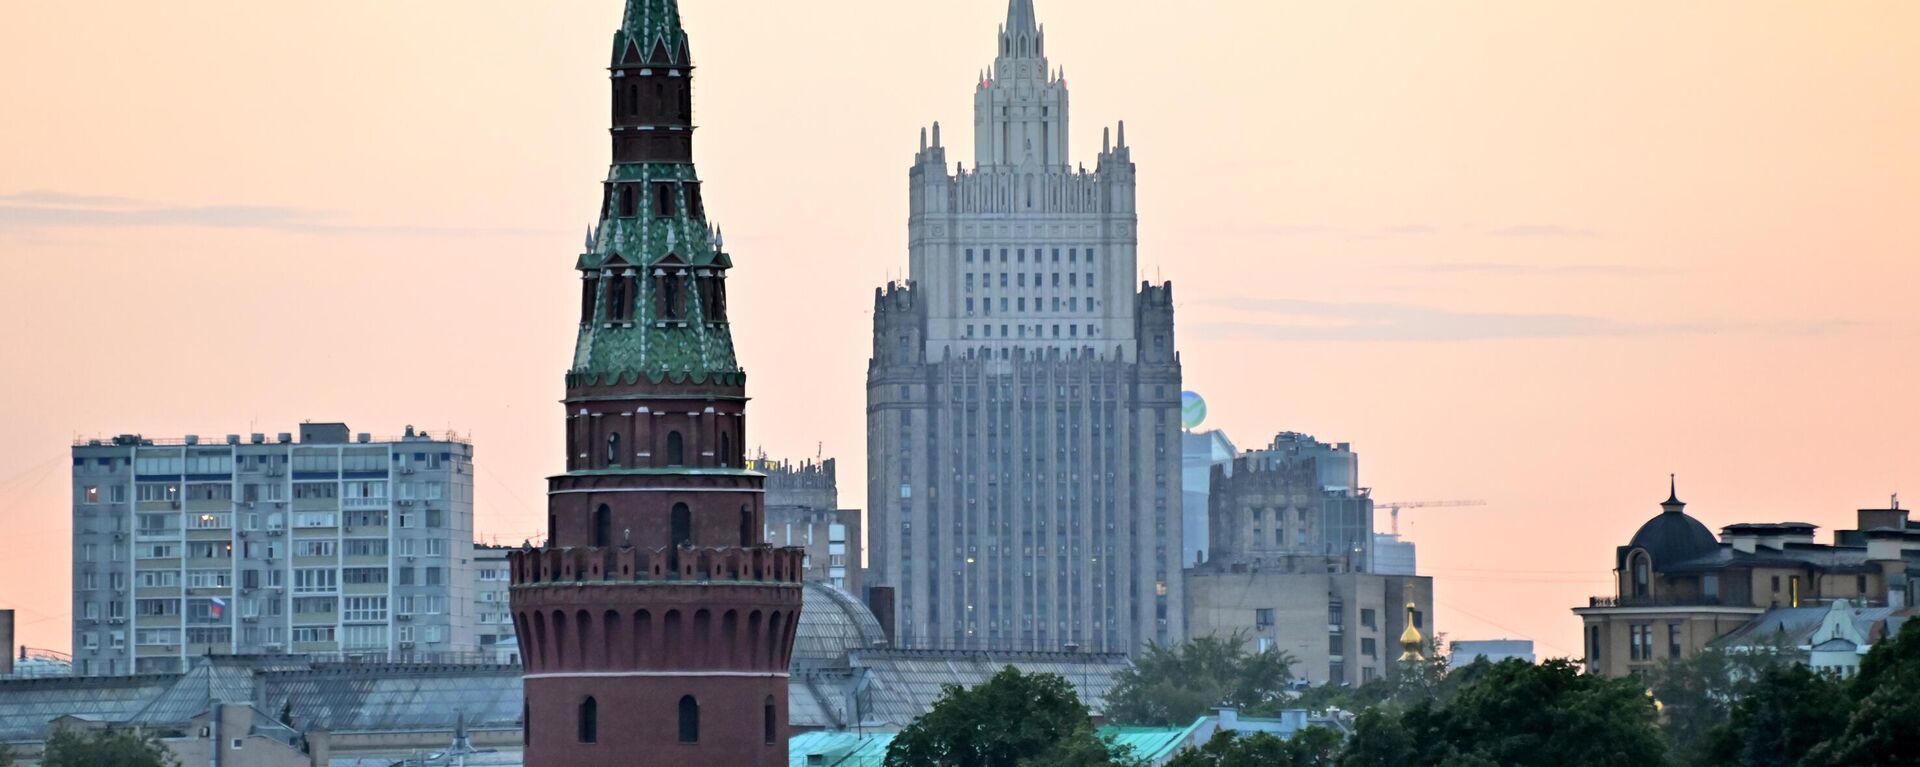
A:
676	449
1673	640
1368	648
589	720
1263	617
689	719
602	526
769	722
1367	618
682	525
662	200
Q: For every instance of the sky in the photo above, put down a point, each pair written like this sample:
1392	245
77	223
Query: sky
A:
1536	254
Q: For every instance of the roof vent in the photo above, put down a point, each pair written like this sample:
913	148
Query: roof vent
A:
258	438
363	437
193	439
233	439
285	437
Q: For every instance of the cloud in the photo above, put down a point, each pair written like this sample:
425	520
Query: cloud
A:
1496	267
1318	230
1302	320
1545	230
43	209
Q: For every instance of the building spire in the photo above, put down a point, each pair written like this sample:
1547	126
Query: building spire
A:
1673	502
650	32
1020	17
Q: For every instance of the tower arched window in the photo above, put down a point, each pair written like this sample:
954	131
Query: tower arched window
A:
689	719
726	449
660	99
602	526
1641	570
613	449
676	449
617	300
633	99
589	720
769	726
587	287
681	524
553	523
626	201
746	526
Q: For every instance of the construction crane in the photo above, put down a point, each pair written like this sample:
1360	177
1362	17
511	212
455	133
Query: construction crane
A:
1394	507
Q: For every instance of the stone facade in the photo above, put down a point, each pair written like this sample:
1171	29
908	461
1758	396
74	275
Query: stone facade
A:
1023	428
803	509
655	623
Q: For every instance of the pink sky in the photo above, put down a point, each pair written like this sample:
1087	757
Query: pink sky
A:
1536	253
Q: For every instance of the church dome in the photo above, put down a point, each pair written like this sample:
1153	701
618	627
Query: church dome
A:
1672	536
832	623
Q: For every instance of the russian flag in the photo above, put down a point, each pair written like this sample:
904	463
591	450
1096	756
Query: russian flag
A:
219	607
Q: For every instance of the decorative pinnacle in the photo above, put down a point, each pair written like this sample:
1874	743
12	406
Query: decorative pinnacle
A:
1020	17
1673	502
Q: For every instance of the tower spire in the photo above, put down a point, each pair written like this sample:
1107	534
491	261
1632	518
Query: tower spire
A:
1020	17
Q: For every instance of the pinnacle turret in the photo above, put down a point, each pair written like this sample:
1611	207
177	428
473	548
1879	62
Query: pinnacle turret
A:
650	33
1020	17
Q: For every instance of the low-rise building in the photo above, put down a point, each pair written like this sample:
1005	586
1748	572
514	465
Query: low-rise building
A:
1465	651
803	510
1678	587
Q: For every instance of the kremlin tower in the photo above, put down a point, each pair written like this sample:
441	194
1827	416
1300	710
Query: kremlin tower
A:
655	623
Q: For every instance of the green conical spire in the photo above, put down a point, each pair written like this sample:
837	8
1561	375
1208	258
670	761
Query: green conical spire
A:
650	31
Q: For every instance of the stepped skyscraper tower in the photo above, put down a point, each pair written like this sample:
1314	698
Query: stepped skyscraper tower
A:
1023	397
655	623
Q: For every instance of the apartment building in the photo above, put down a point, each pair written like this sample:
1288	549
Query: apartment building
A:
334	544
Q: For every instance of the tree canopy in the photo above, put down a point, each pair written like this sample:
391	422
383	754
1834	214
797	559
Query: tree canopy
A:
1173	686
1515	714
1883	725
1011	720
102	748
1312	747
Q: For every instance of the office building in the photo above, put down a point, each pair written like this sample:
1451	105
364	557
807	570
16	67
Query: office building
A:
803	510
1200	451
655	623
1679	588
334	544
1023	397
1290	567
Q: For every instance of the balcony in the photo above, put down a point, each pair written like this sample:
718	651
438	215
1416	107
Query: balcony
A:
1662	600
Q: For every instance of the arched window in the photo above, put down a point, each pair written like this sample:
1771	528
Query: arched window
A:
746	526
1642	575
726	449
617	300
767	723
689	719
589	720
552	523
682	524
676	450
626	201
602	526
613	449
633	99
660	98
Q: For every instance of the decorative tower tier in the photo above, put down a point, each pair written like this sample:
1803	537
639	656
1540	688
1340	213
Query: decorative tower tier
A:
655	622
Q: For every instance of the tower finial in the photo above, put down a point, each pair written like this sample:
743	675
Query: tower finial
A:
1673	502
1411	640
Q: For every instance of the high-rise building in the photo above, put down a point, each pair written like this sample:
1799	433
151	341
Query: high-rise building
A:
655	624
1023	398
1200	451
803	510
333	545
492	616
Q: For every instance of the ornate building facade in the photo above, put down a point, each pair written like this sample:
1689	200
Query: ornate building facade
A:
1023	428
655	624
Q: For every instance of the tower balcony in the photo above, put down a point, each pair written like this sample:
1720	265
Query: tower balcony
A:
626	564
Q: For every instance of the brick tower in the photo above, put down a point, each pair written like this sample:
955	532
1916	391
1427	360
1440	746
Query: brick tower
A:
655	623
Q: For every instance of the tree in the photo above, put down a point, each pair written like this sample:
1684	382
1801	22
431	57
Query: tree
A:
1781	717
1516	714
1011	720
1698	693
1173	686
1311	747
1883	727
6	755
104	748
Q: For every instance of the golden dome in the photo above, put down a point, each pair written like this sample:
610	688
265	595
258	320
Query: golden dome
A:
1411	640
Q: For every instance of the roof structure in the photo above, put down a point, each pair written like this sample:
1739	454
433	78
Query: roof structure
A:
832	624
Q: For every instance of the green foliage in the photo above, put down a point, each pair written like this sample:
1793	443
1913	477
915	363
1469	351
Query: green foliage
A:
1698	693
1778	720
1883	727
1402	686
1168	687
72	748
1514	714
1011	720
6	755
1312	747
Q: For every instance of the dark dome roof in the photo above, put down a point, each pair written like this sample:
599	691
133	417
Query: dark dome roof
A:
1672	537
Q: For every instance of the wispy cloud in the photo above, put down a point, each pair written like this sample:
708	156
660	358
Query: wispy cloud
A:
1545	230
1330	230
43	209
1302	320
1500	267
